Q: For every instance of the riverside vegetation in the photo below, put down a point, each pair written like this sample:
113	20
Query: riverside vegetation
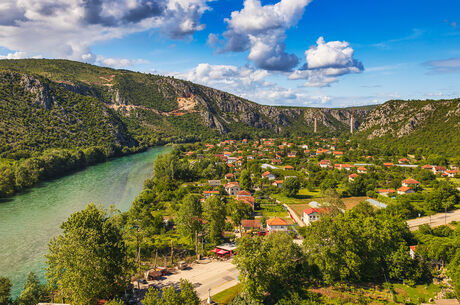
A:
354	246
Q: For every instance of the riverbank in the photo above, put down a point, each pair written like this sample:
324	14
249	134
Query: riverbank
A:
30	219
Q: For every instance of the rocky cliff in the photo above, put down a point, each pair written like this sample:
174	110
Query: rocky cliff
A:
171	107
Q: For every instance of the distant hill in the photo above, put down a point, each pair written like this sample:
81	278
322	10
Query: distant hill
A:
60	103
415	126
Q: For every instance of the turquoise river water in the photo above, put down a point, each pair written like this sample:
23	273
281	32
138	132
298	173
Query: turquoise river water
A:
29	220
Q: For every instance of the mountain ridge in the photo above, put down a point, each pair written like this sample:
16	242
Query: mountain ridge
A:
141	110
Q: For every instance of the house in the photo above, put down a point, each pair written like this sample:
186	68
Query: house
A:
214	182
452	173
343	166
324	163
427	166
243	194
403	160
388	164
229	176
404	190
278	183
412	251
386	192
338	154
291	155
439	169
232	188
410	183
268	175
189	153
251	224
277	224
312	214
231	160
362	170
352	177
208	194
288	167
276	161
248	200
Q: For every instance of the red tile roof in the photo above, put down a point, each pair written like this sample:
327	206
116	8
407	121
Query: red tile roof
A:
276	222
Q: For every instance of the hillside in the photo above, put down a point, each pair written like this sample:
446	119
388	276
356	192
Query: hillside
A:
422	127
144	108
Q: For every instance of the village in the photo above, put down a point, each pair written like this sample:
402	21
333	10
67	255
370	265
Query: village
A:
286	185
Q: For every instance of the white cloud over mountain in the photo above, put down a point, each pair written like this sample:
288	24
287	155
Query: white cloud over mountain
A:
261	30
325	62
67	29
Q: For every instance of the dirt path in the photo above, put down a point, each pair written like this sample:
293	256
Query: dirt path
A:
434	220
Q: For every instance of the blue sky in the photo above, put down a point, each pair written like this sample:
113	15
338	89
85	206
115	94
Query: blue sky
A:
330	53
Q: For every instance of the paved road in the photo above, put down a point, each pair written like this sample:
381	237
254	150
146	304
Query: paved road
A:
435	220
294	215
217	275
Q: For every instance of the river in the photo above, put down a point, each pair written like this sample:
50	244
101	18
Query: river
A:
29	220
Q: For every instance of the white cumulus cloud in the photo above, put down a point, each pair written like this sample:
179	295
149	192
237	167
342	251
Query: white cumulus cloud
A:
261	29
67	29
325	62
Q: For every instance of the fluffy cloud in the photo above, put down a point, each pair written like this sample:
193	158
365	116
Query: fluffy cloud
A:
62	28
325	62
445	65
226	77
119	62
261	29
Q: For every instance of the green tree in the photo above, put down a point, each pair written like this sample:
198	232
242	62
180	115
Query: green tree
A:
87	261
355	246
188	216
5	290
269	266
444	196
245	180
332	201
239	210
169	296
33	292
214	211
7	181
291	187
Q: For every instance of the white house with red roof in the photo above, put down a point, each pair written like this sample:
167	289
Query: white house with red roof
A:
312	214
278	183
412	183
277	224
208	194
232	188
268	175
352	177
404	190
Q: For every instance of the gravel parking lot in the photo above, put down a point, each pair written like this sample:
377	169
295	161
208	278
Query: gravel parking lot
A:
214	275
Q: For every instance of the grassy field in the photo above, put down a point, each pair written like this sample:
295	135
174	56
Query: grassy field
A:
378	295
351	202
303	197
272	210
226	296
